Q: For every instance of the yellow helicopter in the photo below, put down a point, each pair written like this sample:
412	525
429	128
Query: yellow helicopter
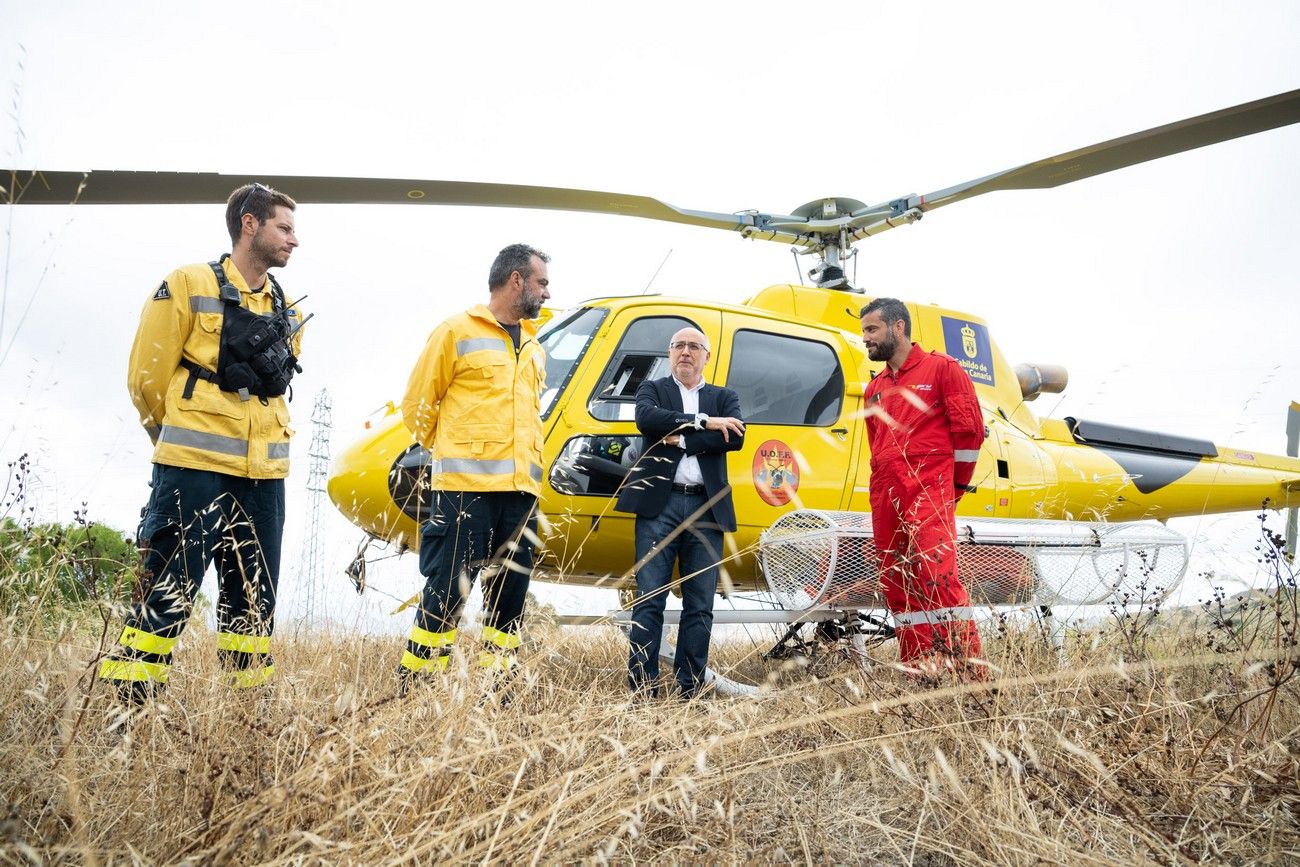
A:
794	355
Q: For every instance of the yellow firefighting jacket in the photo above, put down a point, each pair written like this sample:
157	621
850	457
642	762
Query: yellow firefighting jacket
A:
212	429
475	404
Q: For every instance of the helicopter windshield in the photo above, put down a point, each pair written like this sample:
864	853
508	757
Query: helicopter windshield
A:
565	343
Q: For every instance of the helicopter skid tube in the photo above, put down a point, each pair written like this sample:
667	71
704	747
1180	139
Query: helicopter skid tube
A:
729	617
667	650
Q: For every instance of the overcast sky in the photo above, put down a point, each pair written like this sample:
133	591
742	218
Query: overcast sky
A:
1167	289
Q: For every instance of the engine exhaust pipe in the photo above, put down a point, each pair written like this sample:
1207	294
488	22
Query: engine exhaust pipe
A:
1036	379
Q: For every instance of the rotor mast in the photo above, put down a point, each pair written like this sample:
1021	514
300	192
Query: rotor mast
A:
832	225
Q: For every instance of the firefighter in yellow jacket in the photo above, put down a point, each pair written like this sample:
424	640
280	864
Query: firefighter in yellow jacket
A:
474	401
212	359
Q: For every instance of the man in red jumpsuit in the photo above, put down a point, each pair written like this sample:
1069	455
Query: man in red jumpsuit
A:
925	428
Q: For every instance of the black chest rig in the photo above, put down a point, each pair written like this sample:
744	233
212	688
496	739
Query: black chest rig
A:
255	355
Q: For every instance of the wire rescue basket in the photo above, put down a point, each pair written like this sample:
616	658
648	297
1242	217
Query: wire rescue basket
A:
813	558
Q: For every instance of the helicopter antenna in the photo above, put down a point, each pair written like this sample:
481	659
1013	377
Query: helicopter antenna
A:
798	275
657	270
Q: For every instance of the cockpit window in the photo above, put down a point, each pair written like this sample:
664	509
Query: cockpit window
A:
565	343
785	380
642	354
595	465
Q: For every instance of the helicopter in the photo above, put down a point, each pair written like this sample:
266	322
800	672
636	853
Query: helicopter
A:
805	444
793	353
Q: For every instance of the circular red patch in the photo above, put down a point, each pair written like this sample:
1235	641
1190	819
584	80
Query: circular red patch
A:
776	472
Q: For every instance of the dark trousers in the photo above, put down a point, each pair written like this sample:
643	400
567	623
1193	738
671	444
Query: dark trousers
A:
197	517
469	531
697	551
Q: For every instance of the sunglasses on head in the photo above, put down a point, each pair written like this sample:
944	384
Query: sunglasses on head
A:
243	205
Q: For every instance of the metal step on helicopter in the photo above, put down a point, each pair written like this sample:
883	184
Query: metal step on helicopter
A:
1065	510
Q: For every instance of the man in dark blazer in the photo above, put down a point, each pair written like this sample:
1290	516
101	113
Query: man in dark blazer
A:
688	426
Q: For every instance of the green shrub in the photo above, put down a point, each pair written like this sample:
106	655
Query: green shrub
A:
64	565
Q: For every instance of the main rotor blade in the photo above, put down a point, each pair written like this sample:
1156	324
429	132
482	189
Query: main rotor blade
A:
178	188
1162	141
126	188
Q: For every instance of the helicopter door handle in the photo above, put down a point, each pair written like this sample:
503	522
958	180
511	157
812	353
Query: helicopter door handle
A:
842	431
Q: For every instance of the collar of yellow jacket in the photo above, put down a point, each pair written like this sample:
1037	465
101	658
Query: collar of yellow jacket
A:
237	280
528	327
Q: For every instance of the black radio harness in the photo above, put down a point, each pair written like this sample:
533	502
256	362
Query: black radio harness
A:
255	355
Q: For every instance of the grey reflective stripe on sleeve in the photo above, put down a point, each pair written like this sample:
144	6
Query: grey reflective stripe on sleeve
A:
470	466
277	451
153	430
966	456
535	472
939	615
208	442
474	344
206	304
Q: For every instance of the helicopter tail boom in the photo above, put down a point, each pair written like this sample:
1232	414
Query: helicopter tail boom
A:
1123	474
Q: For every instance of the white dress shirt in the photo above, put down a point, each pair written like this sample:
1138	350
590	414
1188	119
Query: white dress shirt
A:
688	471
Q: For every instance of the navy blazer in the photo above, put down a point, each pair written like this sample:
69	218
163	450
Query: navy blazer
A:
658	414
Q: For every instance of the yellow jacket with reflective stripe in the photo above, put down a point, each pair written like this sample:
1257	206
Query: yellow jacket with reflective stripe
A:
476	405
213	429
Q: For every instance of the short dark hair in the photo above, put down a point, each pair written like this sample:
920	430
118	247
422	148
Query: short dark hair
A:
256	199
891	310
516	257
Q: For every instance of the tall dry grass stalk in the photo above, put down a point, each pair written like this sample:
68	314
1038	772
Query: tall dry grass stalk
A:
1186	755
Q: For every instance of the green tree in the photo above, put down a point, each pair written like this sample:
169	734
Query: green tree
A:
64	564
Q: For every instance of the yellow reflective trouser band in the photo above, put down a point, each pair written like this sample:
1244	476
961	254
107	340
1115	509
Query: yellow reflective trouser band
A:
244	643
146	642
497	661
414	663
503	640
132	669
432	639
250	677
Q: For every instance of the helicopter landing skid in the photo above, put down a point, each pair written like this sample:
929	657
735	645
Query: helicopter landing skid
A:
855	628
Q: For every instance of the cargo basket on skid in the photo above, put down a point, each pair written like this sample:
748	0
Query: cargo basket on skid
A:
813	558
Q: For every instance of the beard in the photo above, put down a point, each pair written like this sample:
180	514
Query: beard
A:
884	350
528	306
268	252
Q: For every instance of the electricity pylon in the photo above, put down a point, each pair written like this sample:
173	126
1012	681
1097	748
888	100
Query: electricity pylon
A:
313	567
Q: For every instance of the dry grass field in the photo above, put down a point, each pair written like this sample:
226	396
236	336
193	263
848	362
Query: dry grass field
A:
1154	737
1167	740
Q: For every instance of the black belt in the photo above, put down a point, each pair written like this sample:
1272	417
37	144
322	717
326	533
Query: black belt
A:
689	490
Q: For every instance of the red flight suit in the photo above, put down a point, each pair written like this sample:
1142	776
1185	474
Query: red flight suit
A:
925	435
